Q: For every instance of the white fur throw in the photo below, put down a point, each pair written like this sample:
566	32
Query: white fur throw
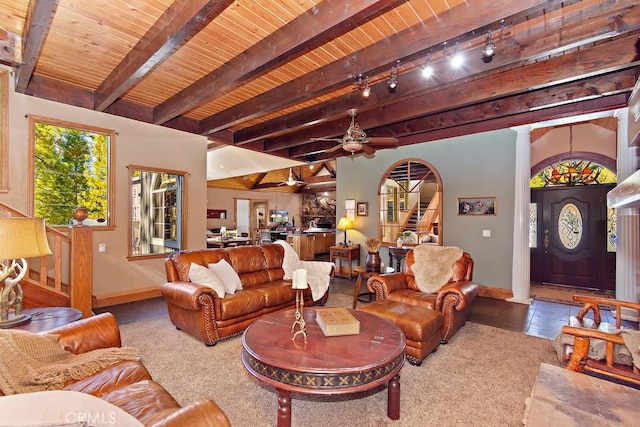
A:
318	272
433	266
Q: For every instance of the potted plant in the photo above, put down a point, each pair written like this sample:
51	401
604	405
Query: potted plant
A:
372	261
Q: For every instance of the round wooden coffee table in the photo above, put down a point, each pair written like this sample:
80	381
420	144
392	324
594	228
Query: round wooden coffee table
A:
324	365
46	318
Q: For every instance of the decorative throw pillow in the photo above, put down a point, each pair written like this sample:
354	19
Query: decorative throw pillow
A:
203	276
227	275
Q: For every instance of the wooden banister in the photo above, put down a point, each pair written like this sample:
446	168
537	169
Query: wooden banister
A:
72	251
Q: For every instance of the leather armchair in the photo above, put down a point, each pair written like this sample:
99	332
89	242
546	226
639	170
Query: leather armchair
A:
128	384
453	300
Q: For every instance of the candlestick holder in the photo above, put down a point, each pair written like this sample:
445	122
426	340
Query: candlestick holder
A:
299	317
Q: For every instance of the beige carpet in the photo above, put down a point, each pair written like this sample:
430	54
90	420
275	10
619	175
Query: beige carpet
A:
562	294
481	378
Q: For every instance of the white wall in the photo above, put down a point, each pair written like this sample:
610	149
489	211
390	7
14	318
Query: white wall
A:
136	143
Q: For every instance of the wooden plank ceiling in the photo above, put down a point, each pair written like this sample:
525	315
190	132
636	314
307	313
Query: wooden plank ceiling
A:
270	75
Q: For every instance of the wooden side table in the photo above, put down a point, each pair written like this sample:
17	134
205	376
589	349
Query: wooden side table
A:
46	318
398	254
349	254
364	274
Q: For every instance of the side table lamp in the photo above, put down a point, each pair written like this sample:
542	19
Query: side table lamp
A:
345	224
20	238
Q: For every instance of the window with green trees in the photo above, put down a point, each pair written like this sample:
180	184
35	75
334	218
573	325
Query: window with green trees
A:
71	169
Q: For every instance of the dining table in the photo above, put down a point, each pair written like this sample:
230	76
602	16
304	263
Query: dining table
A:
220	242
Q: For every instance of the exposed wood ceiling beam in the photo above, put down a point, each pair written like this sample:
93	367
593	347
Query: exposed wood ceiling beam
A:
180	22
571	67
567	32
378	58
325	21
39	16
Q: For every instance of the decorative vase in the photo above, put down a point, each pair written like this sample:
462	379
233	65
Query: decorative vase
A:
373	262
400	242
80	214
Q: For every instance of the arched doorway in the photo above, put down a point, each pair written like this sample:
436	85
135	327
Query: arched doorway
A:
572	232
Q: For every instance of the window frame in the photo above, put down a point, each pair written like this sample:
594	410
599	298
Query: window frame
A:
111	206
183	208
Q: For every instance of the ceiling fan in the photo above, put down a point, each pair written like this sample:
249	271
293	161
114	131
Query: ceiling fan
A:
356	139
291	181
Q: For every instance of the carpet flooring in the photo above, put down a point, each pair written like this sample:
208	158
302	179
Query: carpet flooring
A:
482	377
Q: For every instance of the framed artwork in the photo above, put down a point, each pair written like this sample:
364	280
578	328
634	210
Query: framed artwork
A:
216	214
363	209
476	206
350	204
351	214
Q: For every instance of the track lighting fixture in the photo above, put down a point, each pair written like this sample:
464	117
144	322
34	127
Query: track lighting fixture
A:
362	83
427	70
393	80
489	49
367	88
457	59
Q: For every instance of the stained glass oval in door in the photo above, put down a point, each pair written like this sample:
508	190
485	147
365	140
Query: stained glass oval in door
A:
570	226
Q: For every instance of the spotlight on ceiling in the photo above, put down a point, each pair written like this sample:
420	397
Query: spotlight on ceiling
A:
489	49
457	59
367	88
427	70
393	80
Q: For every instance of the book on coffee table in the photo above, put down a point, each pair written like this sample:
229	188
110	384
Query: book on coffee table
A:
336	321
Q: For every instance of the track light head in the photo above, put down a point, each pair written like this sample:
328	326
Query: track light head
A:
393	80
366	91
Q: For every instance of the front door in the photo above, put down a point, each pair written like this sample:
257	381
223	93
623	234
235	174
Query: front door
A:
572	238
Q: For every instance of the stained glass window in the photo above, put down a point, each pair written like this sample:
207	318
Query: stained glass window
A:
533	225
570	226
612	235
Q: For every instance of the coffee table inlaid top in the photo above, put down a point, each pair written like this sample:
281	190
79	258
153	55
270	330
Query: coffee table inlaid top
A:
324	365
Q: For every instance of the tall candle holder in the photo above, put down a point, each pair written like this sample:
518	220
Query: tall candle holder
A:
299	284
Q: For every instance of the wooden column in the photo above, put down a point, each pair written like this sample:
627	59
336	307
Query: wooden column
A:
81	268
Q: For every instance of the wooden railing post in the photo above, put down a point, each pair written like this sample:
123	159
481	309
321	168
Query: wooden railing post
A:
80	278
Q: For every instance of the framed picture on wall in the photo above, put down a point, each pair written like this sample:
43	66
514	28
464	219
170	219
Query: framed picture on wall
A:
363	209
476	206
350	204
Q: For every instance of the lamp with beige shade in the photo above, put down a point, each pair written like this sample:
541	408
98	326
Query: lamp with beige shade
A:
20	238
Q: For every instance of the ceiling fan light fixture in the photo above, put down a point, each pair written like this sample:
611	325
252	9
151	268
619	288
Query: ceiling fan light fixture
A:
352	146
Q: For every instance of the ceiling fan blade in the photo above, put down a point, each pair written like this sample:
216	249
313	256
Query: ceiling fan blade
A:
332	149
367	149
383	140
327	139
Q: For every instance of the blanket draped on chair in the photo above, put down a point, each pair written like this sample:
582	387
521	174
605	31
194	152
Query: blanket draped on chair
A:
627	354
33	362
318	272
433	266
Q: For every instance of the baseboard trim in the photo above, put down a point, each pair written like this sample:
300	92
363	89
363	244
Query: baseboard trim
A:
125	297
497	293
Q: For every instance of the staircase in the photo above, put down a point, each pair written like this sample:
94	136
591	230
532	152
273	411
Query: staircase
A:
71	259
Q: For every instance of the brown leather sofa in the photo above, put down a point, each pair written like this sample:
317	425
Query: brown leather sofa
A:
198	310
128	384
453	300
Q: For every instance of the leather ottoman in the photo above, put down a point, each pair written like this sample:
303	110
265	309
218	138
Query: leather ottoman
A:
422	327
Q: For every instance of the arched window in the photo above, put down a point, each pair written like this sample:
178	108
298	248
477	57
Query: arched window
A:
410	203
